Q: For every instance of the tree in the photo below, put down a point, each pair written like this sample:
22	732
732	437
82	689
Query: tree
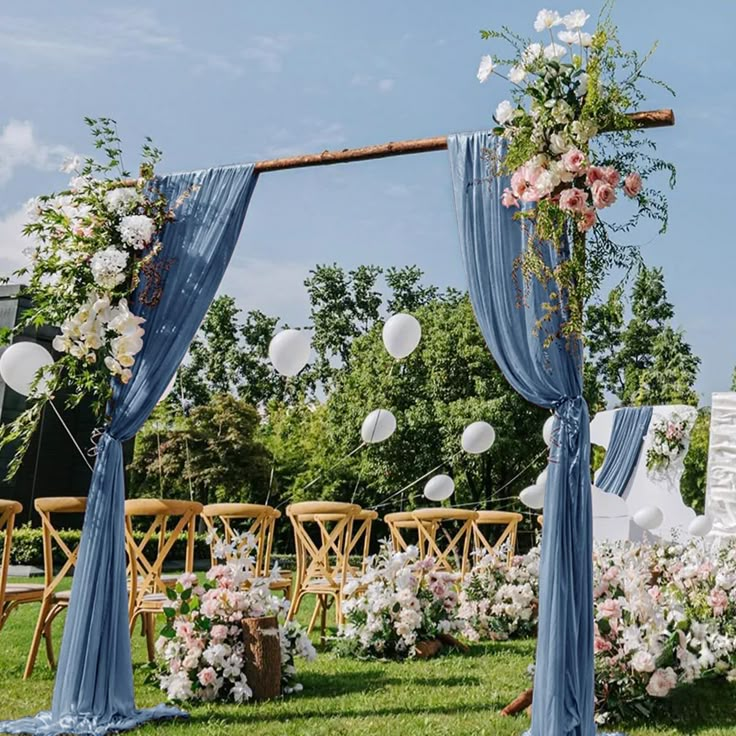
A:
643	360
692	485
211	455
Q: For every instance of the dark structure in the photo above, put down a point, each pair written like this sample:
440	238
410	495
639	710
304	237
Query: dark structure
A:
52	466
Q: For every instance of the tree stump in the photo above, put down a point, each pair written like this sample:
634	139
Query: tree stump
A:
519	704
427	649
262	656
450	641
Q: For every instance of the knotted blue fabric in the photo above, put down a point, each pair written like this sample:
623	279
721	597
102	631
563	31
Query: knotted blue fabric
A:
491	242
630	426
94	684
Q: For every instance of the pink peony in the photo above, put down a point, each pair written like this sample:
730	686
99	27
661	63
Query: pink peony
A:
632	184
573	200
587	221
207	676
661	682
604	195
718	601
508	199
574	161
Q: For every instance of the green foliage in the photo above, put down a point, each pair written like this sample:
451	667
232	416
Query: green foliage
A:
692	485
642	361
210	455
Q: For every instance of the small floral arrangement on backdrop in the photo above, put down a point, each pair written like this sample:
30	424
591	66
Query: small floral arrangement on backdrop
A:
498	600
668	442
398	603
569	85
201	652
88	247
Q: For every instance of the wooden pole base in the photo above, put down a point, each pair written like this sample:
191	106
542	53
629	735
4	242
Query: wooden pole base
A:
262	656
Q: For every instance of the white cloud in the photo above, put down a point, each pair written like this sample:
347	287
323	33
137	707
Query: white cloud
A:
386	85
12	241
313	136
20	148
269	51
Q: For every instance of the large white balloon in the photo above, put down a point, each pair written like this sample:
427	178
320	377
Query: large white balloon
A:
401	335
533	496
19	364
478	437
378	426
700	526
439	488
542	478
289	351
649	517
547	430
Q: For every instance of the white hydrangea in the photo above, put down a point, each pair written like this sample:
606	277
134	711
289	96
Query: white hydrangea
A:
122	200
108	267
137	230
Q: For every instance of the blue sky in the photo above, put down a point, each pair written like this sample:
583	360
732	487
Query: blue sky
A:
241	81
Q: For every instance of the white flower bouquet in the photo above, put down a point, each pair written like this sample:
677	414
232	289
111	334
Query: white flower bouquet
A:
668	442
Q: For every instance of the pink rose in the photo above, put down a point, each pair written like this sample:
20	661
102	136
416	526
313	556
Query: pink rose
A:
573	200
188	580
661	682
718	601
184	629
610	176
601	645
595	173
632	184
609	609
574	161
587	221
518	183
508	199
207	676
604	195
219	632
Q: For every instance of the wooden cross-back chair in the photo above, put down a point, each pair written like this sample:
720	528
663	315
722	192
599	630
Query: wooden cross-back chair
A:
53	600
225	520
509	523
169	520
361	532
12	594
322	535
401	524
451	552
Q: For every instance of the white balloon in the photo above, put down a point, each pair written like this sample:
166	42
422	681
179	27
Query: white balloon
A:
478	437
289	351
533	496
169	388
542	478
547	430
19	364
401	335
439	488
700	526
649	517
378	426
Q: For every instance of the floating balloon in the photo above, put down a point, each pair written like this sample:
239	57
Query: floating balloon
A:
649	517
533	496
20	363
700	526
378	426
478	437
439	488
547	430
542	478
289	351
401	335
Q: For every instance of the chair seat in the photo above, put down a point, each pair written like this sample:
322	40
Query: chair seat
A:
498	517
280	584
24	591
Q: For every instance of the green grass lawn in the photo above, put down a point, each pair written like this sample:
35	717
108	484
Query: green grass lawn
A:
453	694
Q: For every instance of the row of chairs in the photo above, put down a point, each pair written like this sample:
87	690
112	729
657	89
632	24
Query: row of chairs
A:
332	542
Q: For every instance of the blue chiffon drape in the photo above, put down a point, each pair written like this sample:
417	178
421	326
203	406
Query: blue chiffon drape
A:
94	685
491	241
630	426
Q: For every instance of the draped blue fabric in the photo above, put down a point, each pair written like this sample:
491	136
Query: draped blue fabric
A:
491	241
630	426
94	684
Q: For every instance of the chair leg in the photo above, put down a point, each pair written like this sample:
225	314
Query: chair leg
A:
150	624
37	634
49	645
324	604
315	613
294	607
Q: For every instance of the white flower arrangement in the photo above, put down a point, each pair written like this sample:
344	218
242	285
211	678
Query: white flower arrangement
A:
201	652
399	602
669	437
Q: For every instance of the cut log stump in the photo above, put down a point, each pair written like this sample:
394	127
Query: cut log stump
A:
518	704
262	656
428	649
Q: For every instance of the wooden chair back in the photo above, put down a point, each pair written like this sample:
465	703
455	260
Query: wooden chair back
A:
48	508
508	521
225	520
322	535
362	525
402	524
8	511
146	570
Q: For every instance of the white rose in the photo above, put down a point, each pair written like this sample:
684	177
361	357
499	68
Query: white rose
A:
517	74
557	144
661	682
643	662
504	112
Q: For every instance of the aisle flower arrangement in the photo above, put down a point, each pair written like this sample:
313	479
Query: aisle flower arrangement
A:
88	247
201	652
665	615
569	84
400	602
668	442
